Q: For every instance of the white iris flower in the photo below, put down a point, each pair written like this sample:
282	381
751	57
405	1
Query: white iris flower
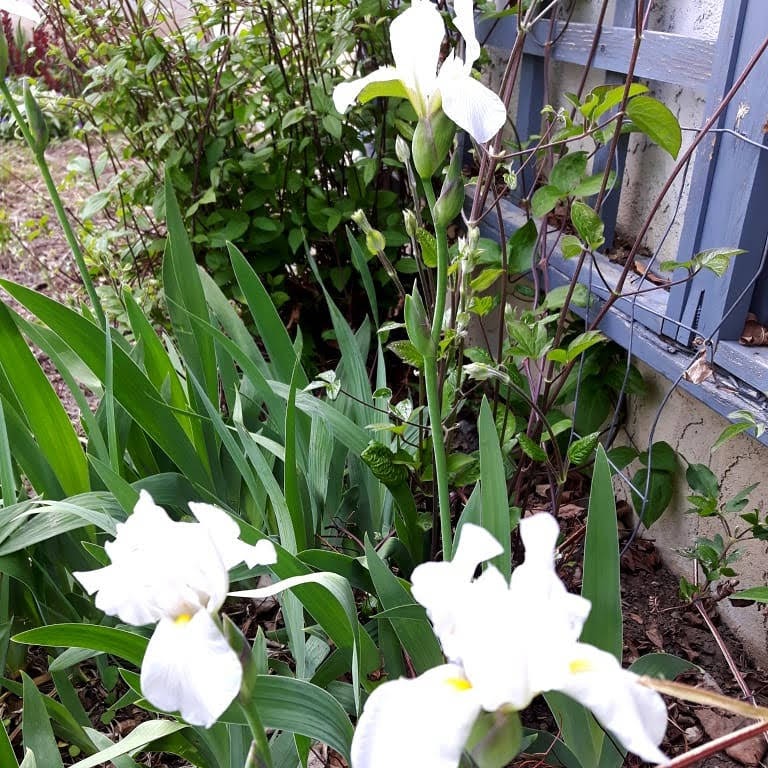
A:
176	575
416	36
506	643
19	8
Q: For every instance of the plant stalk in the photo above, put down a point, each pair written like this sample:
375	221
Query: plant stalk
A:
434	399
695	755
259	755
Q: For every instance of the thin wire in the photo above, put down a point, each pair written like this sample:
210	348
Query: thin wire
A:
651	434
730	131
644	495
592	266
633	303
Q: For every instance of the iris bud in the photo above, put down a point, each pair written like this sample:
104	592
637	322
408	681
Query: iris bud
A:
374	240
431	141
36	120
451	198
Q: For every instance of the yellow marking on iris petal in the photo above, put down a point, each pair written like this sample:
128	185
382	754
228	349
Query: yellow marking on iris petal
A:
183	618
579	665
458	683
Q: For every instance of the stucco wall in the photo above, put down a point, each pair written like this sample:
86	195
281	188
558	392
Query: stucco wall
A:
686	423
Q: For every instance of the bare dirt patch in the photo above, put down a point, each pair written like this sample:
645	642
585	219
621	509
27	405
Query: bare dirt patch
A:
33	250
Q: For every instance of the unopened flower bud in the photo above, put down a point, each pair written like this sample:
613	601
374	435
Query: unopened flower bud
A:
361	219
473	237
36	119
411	224
374	240
451	198
431	141
468	250
417	324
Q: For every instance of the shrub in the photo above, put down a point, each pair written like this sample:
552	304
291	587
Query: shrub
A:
234	106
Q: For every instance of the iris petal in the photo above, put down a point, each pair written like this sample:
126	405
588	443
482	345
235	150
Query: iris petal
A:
385	81
225	534
161	568
636	715
189	667
475	546
464	21
147	523
442	587
472	106
415	37
133	607
424	721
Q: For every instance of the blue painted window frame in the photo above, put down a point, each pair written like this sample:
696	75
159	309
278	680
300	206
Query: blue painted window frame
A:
727	202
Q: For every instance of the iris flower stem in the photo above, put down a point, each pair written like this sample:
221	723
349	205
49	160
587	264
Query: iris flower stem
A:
61	215
431	378
259	755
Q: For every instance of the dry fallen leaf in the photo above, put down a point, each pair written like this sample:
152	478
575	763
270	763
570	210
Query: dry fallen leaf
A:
654	635
568	511
699	370
717	723
754	334
644	271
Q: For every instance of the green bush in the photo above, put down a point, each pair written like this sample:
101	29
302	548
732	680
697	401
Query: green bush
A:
234	105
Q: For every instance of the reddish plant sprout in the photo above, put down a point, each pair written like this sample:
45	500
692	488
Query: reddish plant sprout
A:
30	57
14	54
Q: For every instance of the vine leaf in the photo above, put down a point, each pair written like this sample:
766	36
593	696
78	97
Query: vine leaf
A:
657	122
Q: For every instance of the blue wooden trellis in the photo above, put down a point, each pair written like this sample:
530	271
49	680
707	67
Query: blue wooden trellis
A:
728	197
727	202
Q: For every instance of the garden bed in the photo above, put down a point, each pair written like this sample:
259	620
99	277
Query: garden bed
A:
34	253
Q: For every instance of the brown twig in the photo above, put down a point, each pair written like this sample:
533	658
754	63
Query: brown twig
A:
706	697
738	677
